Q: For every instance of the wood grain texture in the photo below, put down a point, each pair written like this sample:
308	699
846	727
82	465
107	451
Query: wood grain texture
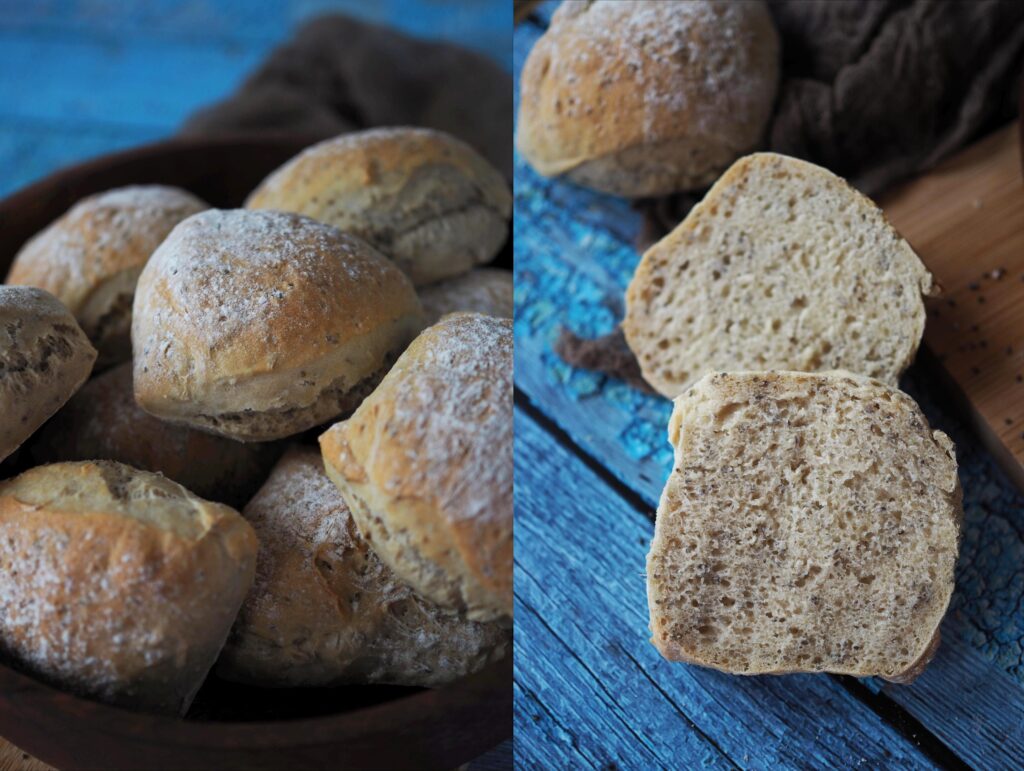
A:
592	691
982	707
966	221
13	759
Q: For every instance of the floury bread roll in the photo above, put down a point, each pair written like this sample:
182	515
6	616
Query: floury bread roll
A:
118	584
257	324
325	610
91	257
642	98
425	465
103	422
422	197
811	524
44	358
483	290
782	266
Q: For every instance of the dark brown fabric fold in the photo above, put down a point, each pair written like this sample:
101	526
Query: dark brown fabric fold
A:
338	74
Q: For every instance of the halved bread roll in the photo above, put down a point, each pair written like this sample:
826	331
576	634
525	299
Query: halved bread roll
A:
124	583
782	266
325	610
811	523
425	465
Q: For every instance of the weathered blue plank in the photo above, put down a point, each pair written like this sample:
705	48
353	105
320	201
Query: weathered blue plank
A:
983	707
584	664
29	150
80	79
483	26
144	82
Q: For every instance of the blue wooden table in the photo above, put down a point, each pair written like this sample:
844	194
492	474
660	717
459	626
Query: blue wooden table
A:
591	458
79	78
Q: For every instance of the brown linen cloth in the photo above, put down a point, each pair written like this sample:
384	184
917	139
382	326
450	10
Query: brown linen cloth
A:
338	74
876	91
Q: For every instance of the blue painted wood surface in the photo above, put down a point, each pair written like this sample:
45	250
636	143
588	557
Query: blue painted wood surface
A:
78	78
592	689
574	258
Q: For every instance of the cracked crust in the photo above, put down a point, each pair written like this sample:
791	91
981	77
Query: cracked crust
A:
90	258
126	583
425	465
325	610
257	324
44	358
644	99
424	198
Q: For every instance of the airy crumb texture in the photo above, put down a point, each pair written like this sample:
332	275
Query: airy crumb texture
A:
782	266
811	523
325	610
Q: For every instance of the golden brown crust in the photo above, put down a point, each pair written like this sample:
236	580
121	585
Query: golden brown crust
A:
126	584
422	197
643	99
91	257
103	422
241	316
44	358
325	610
425	465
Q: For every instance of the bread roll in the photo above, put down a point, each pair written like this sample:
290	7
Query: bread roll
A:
425	465
641	98
325	610
44	358
118	584
91	258
256	325
811	524
103	422
424	198
782	266
483	290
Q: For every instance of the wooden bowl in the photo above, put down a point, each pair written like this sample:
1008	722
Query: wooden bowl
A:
232	726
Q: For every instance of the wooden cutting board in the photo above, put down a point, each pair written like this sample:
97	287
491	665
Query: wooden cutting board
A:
966	221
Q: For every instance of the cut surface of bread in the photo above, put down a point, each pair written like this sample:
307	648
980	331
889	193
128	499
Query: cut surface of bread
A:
782	266
811	523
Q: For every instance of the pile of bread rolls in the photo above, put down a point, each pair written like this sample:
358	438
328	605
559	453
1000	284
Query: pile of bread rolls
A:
345	298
